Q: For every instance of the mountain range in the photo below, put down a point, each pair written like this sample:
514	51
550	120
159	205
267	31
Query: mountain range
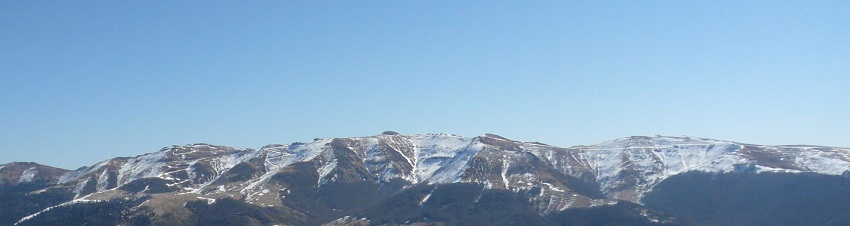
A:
442	179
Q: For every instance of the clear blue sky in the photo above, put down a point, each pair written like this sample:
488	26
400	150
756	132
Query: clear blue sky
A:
84	81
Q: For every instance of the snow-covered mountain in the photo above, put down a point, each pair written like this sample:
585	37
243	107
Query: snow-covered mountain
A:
551	179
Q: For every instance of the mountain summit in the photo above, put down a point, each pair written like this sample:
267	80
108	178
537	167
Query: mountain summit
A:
432	179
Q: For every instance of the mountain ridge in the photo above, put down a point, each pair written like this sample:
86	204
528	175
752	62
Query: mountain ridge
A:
550	179
485	134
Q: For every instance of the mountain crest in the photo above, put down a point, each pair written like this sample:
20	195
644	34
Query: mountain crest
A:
550	179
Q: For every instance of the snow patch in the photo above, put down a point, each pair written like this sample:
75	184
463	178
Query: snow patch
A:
72	202
147	165
279	157
505	166
210	201
553	188
826	162
102	181
450	170
425	199
72	175
28	175
325	170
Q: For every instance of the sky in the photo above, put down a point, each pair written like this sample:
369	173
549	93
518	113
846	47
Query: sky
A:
85	81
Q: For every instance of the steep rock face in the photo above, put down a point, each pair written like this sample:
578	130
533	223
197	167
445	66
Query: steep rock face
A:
328	179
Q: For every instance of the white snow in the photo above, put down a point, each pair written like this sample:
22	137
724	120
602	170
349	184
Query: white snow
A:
72	175
376	159
834	162
449	170
143	166
436	158
325	170
209	200
440	158
28	175
303	152
79	173
553	188
75	201
660	157
279	157
505	166
102	181
425	199
398	144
